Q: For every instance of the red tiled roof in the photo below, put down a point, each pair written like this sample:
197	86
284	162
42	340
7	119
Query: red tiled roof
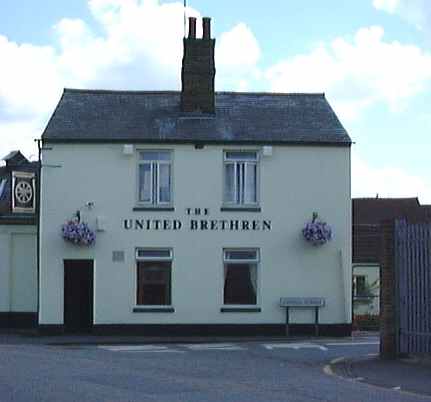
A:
368	213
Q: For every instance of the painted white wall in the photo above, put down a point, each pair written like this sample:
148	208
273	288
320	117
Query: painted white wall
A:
18	268
4	271
295	181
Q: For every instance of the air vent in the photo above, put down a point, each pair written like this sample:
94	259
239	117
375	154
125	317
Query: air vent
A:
118	256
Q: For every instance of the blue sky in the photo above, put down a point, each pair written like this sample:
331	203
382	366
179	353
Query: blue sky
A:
372	58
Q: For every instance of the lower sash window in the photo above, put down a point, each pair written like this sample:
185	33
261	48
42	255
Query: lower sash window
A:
154	273
240	276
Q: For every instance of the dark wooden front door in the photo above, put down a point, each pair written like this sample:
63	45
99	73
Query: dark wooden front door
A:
78	295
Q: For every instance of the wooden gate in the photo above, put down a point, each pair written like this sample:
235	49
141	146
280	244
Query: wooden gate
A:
412	258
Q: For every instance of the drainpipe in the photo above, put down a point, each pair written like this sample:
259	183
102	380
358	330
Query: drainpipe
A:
38	199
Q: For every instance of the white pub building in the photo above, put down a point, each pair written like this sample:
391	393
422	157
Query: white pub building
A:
186	210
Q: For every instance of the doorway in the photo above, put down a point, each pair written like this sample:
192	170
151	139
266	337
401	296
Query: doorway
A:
78	295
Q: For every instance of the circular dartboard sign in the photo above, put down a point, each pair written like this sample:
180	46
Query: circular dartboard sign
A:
23	192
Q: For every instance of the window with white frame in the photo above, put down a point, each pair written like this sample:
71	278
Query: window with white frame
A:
240	178
240	276
154	274
155	177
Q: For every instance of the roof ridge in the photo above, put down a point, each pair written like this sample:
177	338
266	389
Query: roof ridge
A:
164	92
118	91
385	198
265	93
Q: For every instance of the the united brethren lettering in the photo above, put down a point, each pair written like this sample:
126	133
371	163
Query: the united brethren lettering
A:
231	225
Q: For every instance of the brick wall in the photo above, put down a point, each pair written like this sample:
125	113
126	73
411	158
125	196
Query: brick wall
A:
198	72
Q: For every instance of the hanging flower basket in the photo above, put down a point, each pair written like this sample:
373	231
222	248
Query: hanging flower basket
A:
317	232
78	233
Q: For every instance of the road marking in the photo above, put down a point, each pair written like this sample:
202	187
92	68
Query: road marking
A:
327	369
351	343
135	348
208	345
213	346
295	346
158	351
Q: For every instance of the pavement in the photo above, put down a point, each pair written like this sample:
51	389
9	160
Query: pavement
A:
410	375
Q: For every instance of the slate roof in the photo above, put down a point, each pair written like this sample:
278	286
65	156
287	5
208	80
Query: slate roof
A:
11	155
369	213
142	116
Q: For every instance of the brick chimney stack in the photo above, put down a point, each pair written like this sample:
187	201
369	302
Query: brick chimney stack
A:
198	70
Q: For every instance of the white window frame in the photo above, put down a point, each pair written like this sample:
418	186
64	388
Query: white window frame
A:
152	258
256	261
155	198
239	194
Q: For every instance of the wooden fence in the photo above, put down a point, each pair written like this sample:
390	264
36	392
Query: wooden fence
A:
412	263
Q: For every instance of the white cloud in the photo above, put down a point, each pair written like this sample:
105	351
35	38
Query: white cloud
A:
20	135
237	57
140	47
416	12
28	78
389	6
387	181
356	73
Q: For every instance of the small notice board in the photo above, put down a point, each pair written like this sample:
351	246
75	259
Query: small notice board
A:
303	302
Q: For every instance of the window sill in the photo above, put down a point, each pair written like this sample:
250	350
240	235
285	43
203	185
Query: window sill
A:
153	209
155	309
240	310
240	209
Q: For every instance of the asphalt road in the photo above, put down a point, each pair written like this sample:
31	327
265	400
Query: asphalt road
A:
234	372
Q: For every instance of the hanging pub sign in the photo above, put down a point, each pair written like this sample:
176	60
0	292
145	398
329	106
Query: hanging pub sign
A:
23	192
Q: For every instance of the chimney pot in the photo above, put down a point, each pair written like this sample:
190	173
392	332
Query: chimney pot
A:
206	26
192	28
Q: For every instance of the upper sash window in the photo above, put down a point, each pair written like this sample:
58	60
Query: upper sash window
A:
155	177
240	178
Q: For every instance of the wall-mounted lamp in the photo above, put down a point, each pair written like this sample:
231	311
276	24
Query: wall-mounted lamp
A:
128	149
267	150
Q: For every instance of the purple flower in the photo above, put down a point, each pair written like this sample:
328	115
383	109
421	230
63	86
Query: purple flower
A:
78	233
317	232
